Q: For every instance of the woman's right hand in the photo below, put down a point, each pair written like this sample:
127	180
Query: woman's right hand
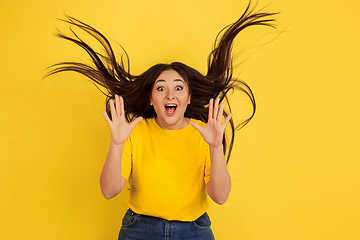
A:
120	129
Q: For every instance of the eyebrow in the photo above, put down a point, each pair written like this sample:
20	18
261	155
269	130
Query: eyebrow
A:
175	80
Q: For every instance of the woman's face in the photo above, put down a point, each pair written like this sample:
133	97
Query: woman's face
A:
170	97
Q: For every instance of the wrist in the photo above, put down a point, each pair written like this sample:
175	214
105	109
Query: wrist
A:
218	145
114	144
216	148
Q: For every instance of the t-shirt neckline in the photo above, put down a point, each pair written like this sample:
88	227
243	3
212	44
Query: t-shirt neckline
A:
188	126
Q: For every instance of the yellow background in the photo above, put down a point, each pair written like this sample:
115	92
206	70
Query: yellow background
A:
295	168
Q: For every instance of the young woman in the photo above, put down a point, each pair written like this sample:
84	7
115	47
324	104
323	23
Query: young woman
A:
167	134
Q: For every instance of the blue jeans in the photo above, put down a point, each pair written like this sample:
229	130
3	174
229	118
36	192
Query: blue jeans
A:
142	227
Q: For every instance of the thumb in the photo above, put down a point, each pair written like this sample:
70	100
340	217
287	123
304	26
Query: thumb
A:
196	126
136	121
106	117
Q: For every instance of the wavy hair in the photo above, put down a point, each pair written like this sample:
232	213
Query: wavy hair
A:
115	77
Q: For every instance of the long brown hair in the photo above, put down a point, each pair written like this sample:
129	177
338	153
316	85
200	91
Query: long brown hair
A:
115	77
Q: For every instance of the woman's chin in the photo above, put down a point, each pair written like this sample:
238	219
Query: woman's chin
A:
170	122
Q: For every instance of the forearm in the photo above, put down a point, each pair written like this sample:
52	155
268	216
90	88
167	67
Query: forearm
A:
111	181
219	184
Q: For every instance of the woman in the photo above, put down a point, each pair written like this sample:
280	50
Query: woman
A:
167	134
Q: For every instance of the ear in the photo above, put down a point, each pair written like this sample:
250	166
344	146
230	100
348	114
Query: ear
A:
189	100
151	102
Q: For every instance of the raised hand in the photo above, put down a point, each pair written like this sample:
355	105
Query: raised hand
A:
213	131
120	129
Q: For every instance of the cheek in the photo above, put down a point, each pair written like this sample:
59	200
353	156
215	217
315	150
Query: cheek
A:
155	99
185	98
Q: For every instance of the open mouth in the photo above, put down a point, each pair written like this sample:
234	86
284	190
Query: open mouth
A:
170	109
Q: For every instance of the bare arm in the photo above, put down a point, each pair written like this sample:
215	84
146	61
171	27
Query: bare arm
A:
219	184
111	181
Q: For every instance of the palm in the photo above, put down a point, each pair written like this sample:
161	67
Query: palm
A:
213	131
120	129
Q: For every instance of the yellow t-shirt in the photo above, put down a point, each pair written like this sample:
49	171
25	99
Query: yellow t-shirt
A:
167	171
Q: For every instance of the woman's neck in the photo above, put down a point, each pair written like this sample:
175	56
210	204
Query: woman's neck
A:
176	126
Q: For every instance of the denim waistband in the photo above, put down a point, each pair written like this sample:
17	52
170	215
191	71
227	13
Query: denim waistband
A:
138	226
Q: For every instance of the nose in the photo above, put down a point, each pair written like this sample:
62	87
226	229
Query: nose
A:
170	95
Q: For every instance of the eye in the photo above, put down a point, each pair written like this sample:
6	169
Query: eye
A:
179	88
160	89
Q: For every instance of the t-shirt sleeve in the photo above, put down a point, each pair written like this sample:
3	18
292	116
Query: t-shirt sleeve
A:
207	165
126	159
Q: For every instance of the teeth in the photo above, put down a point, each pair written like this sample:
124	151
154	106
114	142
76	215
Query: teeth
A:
170	105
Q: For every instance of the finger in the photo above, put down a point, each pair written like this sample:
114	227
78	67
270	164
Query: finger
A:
118	107
121	109
112	109
226	120
216	108
211	105
136	121
106	117
196	126
220	112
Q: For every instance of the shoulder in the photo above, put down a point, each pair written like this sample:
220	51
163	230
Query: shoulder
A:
201	123
146	125
141	127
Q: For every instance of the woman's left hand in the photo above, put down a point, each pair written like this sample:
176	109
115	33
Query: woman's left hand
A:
213	131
